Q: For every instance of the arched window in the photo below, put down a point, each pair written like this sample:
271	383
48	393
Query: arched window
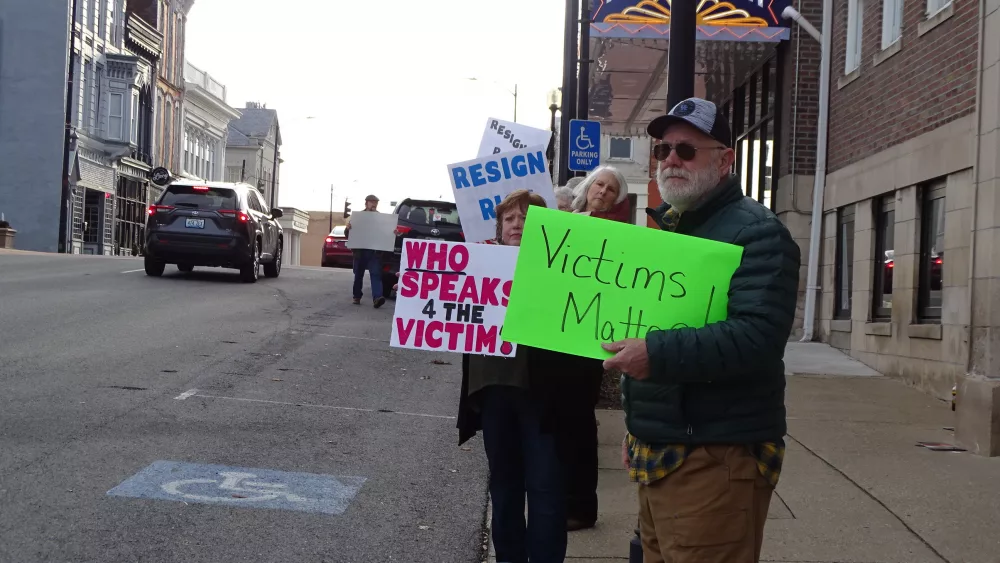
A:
168	122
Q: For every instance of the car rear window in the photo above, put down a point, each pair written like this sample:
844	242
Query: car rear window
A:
195	197
338	231
432	213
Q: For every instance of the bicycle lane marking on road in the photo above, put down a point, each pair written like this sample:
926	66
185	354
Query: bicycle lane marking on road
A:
241	486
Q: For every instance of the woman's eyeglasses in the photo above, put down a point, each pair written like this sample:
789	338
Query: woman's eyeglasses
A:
684	150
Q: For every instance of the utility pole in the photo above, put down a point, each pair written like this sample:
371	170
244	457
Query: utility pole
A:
680	58
71	99
583	79
515	103
331	208
569	101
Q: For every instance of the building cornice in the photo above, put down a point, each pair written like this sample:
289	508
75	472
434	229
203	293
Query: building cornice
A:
196	93
145	36
128	68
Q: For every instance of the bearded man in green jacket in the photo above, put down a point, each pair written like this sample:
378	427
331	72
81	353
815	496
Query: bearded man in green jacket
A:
705	407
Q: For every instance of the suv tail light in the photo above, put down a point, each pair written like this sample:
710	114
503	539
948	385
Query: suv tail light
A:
404	230
154	209
233	213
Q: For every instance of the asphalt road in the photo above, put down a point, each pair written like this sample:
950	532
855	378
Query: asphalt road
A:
105	372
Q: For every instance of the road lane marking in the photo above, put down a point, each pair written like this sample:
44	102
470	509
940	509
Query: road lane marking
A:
331	407
186	394
353	337
242	486
134	271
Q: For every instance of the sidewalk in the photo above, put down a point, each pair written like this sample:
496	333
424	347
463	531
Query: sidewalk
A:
854	489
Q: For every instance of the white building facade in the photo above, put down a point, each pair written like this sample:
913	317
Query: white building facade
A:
295	224
206	125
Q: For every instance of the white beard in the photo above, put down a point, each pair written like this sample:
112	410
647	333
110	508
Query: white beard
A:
682	189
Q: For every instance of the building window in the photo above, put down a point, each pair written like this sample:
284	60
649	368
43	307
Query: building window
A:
855	21
620	148
929	293
134	122
95	94
102	21
935	6
885	225
115	33
116	110
84	94
892	22
844	267
159	128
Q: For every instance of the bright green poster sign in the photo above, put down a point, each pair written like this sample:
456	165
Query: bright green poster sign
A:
581	281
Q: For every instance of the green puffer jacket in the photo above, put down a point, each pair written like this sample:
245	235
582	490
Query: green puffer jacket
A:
725	382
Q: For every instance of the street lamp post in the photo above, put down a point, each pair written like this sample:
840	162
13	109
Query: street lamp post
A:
555	100
514	93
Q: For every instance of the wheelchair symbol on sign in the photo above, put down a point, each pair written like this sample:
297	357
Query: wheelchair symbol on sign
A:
583	142
236	487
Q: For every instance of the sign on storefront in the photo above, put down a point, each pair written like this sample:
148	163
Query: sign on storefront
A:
736	20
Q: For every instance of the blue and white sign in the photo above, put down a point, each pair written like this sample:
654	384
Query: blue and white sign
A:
584	145
241	486
480	185
503	136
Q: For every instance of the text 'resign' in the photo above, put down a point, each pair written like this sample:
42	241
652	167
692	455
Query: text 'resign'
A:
480	185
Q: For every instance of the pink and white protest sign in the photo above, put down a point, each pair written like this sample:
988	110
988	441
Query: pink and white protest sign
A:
452	297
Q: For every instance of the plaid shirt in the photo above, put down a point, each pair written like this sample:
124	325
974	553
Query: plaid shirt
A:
648	464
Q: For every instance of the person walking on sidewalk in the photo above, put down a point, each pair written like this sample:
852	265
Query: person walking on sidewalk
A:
704	407
366	260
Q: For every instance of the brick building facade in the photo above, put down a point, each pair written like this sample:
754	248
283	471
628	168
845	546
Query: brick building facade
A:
907	276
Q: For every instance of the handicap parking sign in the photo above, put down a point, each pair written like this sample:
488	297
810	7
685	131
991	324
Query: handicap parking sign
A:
584	145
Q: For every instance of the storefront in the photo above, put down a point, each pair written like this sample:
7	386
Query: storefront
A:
131	203
739	65
92	190
295	224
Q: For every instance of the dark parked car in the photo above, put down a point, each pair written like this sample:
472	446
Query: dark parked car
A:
335	251
421	219
213	224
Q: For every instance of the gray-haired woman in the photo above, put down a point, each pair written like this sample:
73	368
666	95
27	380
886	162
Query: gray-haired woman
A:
603	193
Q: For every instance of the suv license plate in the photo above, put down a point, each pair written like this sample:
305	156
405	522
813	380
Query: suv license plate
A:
194	223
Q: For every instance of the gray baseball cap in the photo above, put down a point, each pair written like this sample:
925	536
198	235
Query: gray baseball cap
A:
703	115
371	197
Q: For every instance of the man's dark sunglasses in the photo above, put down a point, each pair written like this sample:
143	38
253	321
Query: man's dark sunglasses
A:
684	150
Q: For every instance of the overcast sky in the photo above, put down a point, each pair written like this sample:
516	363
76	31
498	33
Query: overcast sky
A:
373	97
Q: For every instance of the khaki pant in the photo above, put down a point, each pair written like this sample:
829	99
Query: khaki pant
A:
711	510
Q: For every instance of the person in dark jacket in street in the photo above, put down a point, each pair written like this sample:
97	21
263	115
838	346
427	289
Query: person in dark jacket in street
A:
603	194
705	407
518	404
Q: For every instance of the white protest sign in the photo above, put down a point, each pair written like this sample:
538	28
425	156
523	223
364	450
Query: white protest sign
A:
503	136
372	230
452	297
480	185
